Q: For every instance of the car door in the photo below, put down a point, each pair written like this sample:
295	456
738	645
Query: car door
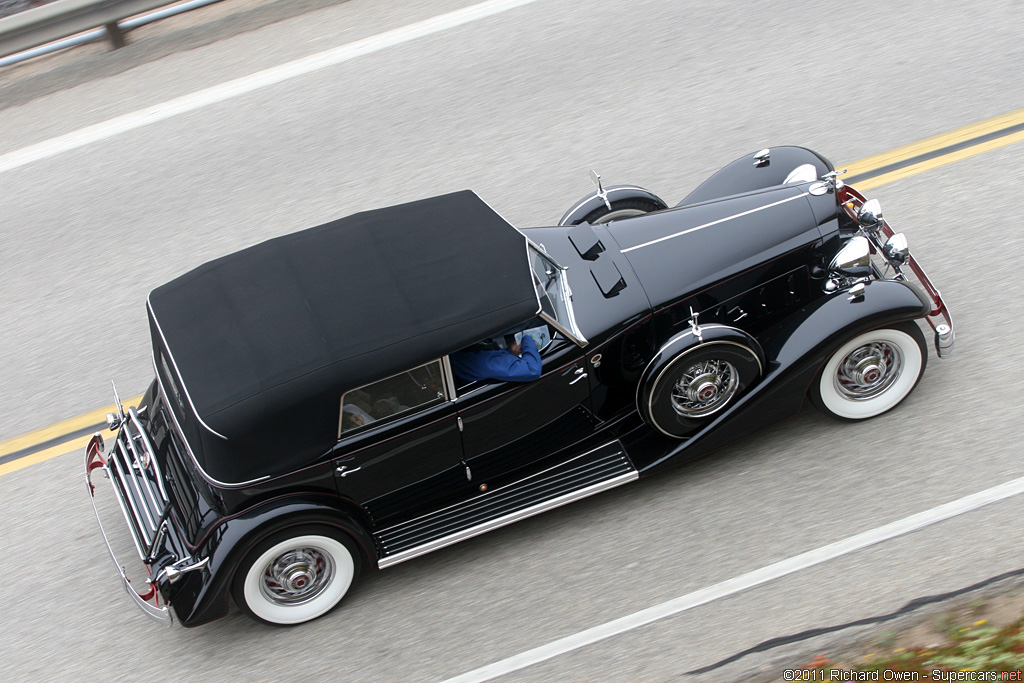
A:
404	457
506	426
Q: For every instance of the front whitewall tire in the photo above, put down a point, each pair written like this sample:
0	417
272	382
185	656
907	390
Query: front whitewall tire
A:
872	373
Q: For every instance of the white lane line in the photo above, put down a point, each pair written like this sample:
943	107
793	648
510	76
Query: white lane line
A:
256	81
743	582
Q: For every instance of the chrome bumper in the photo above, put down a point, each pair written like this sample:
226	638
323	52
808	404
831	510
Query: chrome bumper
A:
938	317
149	599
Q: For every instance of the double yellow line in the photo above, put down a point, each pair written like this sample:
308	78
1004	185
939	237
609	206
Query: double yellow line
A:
57	439
874	171
936	151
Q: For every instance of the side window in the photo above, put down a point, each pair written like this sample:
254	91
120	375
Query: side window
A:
392	397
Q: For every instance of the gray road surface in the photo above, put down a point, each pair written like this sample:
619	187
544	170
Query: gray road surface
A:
519	107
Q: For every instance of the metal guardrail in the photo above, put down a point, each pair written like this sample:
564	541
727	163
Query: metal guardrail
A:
41	26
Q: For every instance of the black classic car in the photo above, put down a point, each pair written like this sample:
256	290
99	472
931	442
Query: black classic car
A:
305	422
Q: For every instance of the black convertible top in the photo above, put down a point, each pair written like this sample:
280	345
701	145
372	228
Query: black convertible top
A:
284	326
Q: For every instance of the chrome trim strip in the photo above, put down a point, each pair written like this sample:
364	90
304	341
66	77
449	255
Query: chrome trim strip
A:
191	455
507	519
533	276
716	222
181	379
449	379
578	340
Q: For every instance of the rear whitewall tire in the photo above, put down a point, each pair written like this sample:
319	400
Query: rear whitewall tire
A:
296	575
871	373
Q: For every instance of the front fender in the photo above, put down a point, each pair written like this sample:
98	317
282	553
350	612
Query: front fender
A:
204	594
743	175
796	350
615	193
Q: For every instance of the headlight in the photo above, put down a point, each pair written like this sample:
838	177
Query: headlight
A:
896	249
870	215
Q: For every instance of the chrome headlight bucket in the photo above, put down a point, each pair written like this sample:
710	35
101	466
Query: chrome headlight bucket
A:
853	258
896	249
870	215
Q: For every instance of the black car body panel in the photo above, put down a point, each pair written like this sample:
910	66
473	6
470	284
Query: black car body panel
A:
671	334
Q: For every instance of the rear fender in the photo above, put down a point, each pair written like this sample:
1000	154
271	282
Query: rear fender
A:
204	594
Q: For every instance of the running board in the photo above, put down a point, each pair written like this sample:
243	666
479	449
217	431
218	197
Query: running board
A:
603	468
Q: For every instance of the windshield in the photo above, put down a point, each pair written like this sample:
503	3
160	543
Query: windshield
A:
554	294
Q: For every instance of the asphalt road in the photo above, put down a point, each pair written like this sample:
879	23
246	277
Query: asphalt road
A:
518	106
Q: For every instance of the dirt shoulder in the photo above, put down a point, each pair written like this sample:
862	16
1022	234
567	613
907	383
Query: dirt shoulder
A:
41	76
977	632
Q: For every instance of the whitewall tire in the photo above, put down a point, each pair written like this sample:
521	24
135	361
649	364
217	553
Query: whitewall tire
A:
872	373
296	575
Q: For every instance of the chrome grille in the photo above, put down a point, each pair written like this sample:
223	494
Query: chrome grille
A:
138	482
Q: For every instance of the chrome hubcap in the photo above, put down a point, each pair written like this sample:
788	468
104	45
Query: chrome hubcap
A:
868	371
297	576
704	388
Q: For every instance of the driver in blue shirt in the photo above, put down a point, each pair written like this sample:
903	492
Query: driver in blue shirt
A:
518	363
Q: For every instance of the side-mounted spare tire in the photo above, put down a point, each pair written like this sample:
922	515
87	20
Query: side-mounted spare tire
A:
694	377
624	201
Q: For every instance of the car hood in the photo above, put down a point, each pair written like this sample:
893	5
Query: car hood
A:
686	249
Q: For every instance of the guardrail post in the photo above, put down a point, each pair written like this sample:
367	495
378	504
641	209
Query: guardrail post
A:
116	35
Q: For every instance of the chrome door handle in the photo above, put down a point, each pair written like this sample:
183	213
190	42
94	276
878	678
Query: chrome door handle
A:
580	374
345	471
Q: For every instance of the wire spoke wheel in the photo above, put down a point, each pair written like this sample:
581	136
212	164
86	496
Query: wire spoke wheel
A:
704	388
697	384
296	574
871	373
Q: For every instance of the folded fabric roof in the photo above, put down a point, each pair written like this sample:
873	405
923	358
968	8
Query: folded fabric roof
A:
324	310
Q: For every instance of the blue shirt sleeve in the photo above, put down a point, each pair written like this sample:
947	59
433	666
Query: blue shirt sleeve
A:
501	365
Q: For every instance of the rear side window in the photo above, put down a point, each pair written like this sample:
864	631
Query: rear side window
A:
390	398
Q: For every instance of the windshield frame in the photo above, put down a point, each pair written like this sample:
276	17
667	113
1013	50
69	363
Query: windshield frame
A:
557	273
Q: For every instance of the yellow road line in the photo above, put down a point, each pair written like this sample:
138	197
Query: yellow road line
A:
55	431
943	160
47	454
935	142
